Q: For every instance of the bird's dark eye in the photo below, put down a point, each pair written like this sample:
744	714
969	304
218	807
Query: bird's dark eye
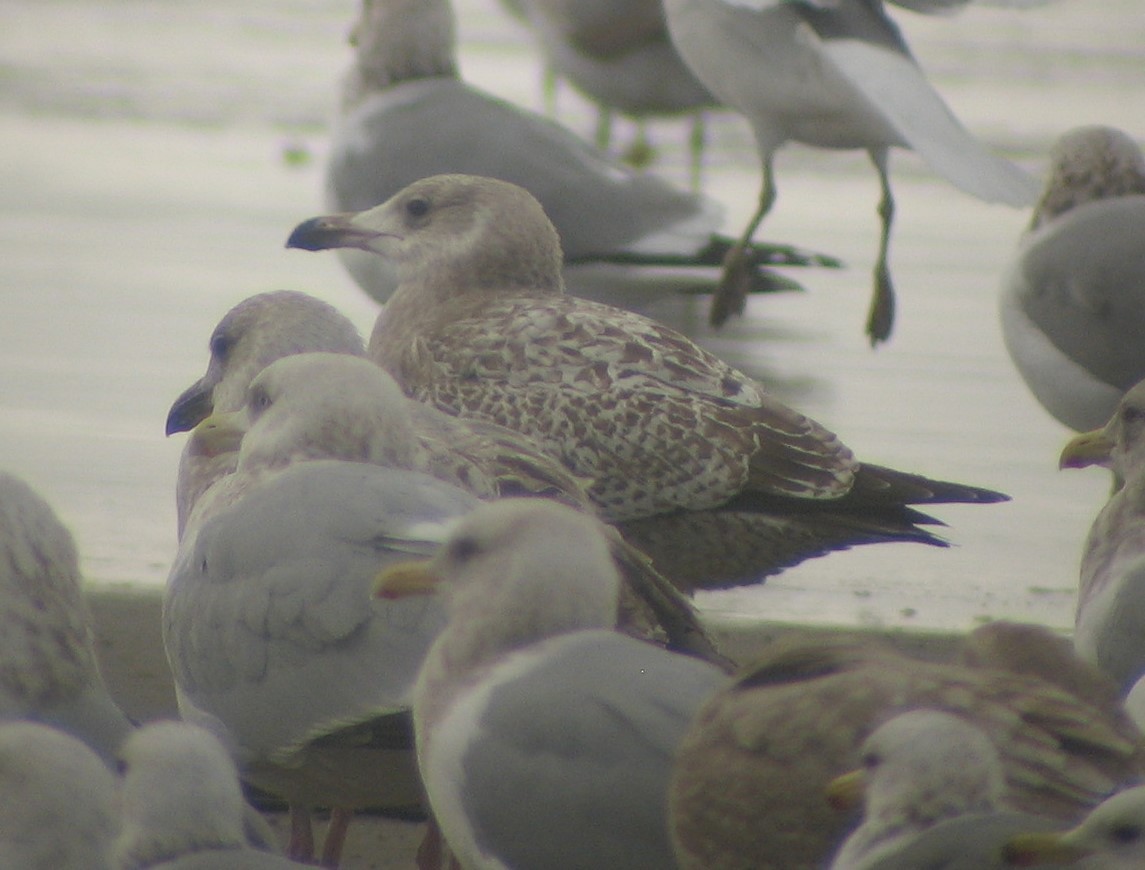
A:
258	400
1125	833
463	549
1132	414
871	760
417	207
220	345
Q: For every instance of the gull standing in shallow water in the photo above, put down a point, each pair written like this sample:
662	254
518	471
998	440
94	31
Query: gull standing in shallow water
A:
57	801
702	470
268	623
545	738
1109	627
750	774
933	792
407	115
1072	304
832	75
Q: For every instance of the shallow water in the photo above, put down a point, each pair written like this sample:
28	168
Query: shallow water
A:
145	188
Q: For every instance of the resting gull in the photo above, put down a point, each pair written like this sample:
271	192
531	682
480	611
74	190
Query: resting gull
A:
1112	837
1109	627
832	75
714	479
268	622
1072	304
618	54
932	790
57	801
545	739
750	775
182	805
48	669
486	459
408	115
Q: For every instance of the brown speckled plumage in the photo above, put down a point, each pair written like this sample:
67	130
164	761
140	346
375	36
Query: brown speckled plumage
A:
479	327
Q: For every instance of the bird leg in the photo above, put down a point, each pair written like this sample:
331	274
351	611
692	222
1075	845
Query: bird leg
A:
696	141
731	293
301	845
881	316
340	818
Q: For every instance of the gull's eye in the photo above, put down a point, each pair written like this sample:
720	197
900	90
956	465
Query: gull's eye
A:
258	400
417	207
463	549
220	345
1125	834
1132	414
872	760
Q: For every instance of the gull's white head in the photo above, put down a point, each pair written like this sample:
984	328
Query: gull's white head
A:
1112	837
1119	445
180	793
318	406
451	235
57	801
252	335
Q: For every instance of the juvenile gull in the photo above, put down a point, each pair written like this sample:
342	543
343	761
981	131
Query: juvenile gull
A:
408	115
182	806
750	774
545	739
1072	304
57	801
1112	837
933	797
269	627
486	459
832	75
717	481
1109	625
48	669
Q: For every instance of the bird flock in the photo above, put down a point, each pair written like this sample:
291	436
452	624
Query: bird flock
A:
446	572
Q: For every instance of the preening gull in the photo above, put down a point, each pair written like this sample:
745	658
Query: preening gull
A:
618	54
486	459
181	804
832	75
933	796
1109	627
49	670
1112	837
1072	304
751	773
273	639
407	115
57	801
544	738
714	479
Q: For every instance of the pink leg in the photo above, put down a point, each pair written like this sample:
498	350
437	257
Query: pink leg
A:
301	846
340	819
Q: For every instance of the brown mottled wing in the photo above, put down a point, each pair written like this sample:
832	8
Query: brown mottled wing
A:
751	773
654	421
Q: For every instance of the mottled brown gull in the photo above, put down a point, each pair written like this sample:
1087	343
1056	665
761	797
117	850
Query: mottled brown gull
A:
932	789
48	669
407	115
182	805
269	627
750	774
486	459
57	801
1109	624
833	75
1112	837
545	739
703	470
1072	304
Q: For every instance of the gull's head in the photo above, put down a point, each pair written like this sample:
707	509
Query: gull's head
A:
1088	164
180	792
253	334
515	571
923	766
401	40
452	234
320	406
1119	445
1110	837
